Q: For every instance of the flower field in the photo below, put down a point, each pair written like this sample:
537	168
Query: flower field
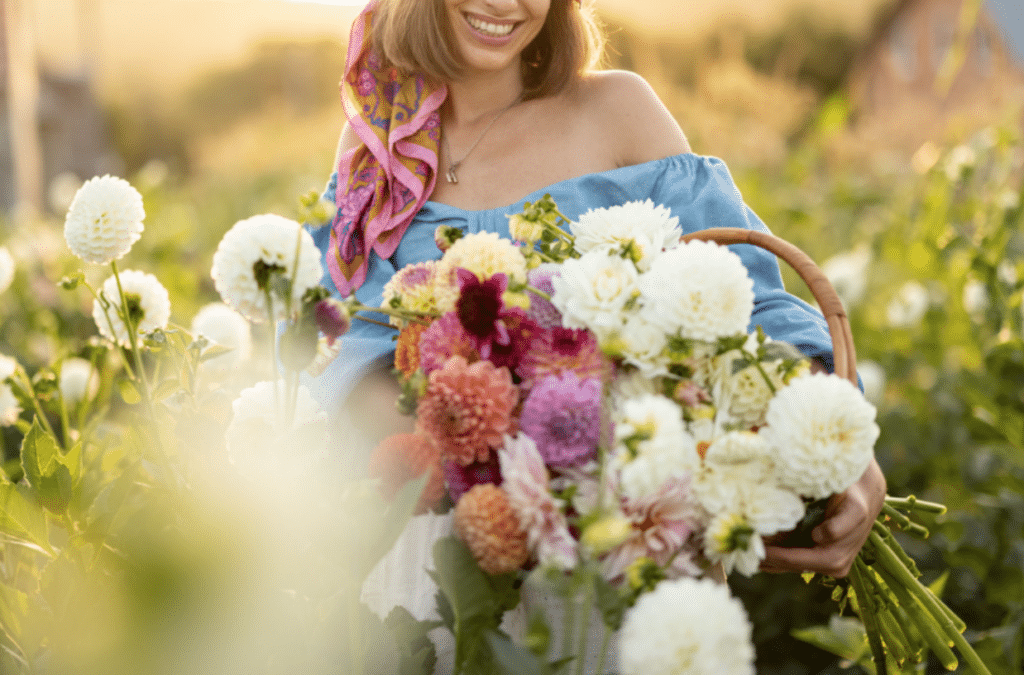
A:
131	542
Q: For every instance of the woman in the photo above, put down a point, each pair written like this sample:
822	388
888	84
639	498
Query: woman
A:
461	110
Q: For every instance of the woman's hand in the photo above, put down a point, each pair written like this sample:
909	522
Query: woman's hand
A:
839	538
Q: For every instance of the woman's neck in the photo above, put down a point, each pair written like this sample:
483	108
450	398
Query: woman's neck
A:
477	98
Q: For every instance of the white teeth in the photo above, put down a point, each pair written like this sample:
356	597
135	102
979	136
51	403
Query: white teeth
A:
491	29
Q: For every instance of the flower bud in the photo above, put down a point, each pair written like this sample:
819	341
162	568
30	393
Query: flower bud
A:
445	236
523	229
644	574
332	318
606	533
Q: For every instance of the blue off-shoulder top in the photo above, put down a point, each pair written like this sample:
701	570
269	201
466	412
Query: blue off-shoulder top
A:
698	190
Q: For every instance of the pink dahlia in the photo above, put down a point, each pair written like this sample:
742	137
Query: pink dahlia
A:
461	478
559	350
662	524
562	414
467	408
543	313
401	458
540	514
444	339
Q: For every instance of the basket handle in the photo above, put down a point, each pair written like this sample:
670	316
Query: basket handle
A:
844	355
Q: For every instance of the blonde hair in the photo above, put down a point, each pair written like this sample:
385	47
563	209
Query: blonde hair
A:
414	36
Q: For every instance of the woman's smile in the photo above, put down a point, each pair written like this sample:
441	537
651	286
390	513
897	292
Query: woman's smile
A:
490	28
493	33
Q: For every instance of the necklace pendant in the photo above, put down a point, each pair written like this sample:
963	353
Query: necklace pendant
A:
452	178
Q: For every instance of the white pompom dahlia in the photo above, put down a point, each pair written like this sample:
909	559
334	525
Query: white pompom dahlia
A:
149	305
639	231
822	432
592	291
698	290
7	268
104	220
78	380
258	254
225	327
9	406
652	445
687	627
260	436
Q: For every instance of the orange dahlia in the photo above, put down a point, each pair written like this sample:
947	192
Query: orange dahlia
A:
467	409
407	352
484	519
404	457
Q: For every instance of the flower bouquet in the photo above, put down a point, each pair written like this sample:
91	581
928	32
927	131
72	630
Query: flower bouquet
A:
590	403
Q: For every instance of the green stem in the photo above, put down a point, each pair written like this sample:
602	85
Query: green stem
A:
588	609
904	523
767	379
105	306
30	393
133	337
891	564
885	537
569	621
605	642
867	616
539	293
912	503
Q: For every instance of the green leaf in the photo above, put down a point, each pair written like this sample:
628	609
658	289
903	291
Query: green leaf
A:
513	658
844	637
415	650
129	392
73	461
21	517
781	351
39	454
166	388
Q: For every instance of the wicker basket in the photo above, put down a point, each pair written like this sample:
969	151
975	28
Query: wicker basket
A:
844	356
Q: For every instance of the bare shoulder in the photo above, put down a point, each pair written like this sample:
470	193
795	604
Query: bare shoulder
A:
625	107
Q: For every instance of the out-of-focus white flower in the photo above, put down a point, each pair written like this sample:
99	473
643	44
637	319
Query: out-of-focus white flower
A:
872	376
699	290
823	433
735	461
592	291
960	159
78	380
926	157
104	220
149	305
908	306
152	174
225	327
1008	200
639	231
326	352
9	408
61	191
651	445
525	481
260	437
848	273
686	627
975	297
259	254
7	268
1007	272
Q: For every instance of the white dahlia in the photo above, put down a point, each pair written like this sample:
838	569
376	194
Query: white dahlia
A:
261	437
78	380
699	290
745	394
258	254
9	407
848	273
643	345
822	432
149	305
686	627
104	220
639	231
909	305
224	327
651	445
592	291
733	541
733	463
7	268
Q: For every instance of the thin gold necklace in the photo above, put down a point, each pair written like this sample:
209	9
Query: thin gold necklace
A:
453	165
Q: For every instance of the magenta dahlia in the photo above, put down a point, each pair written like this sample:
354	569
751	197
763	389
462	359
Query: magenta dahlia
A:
558	350
562	414
444	339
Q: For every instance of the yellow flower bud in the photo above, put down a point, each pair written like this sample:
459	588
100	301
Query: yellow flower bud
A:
516	299
606	533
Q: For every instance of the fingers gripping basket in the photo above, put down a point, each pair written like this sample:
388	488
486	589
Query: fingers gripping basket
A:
844	356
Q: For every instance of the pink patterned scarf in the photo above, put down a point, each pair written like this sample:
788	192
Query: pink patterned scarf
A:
383	182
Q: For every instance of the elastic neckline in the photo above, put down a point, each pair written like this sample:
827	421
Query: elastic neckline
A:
686	156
